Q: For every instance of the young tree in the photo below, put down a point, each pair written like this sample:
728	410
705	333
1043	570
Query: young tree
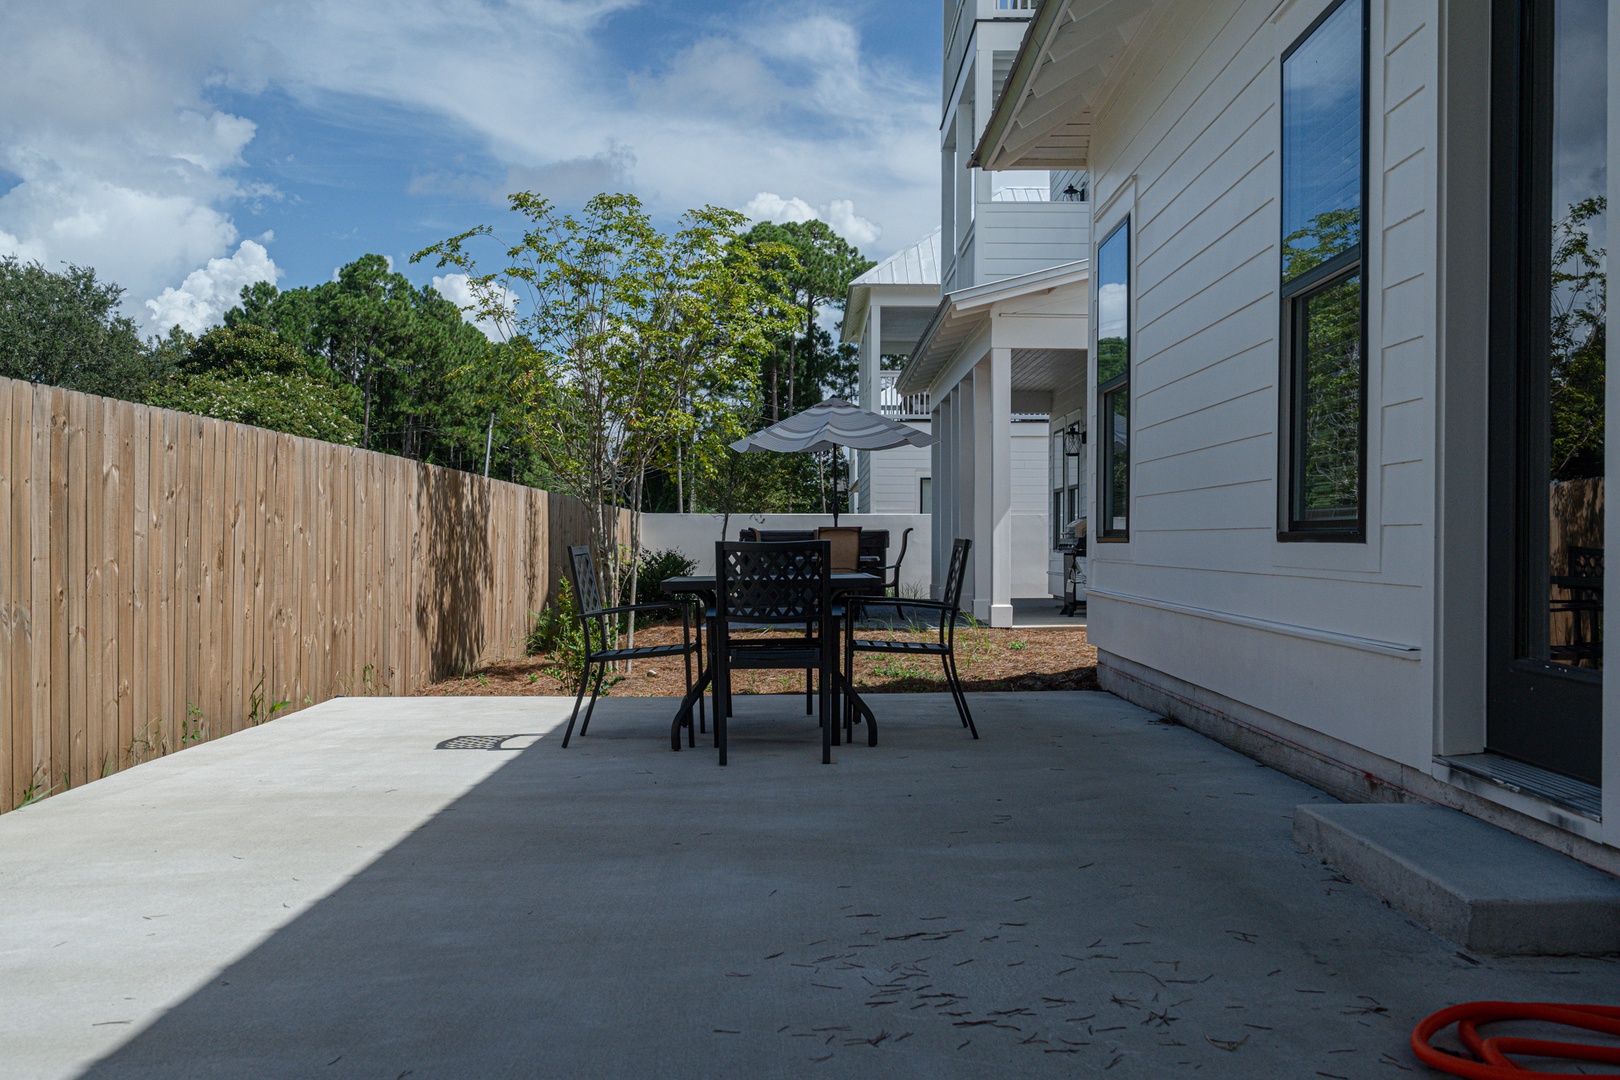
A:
66	330
631	342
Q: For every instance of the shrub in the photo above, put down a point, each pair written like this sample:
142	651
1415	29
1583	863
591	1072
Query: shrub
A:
656	566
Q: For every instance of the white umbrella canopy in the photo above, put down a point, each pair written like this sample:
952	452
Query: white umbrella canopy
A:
832	424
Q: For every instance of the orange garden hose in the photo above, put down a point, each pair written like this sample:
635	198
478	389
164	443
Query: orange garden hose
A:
1492	1053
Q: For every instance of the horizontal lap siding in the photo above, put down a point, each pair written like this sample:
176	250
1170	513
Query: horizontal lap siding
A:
1188	142
159	572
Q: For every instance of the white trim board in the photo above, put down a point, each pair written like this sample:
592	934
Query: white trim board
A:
1349	641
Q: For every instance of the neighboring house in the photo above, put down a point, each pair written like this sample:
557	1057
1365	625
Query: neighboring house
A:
889	309
1346	382
1003	351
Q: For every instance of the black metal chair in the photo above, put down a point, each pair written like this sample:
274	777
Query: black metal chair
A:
944	612
595	622
764	585
891	573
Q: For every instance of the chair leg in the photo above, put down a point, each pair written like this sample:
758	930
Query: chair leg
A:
829	722
596	688
722	678
808	690
568	733
955	681
691	728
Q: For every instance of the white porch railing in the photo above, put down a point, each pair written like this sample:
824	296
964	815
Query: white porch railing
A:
892	403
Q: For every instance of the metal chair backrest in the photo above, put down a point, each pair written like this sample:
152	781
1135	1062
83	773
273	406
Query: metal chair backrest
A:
783	536
845	542
893	584
587	590
766	583
957	572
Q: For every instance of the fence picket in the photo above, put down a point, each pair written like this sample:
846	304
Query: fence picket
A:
152	561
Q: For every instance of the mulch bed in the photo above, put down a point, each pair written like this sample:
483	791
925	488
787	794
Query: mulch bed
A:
1018	659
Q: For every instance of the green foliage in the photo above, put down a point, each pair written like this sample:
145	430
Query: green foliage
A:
261	710
814	267
411	365
66	330
655	566
1330	370
194	727
1580	303
557	621
558	631
1329	234
250	375
1331	435
635	349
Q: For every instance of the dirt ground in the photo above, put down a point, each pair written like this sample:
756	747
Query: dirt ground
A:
1018	659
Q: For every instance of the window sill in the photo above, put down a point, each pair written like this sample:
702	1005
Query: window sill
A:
1321	536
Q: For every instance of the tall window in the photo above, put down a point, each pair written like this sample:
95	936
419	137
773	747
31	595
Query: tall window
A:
1114	384
1324	375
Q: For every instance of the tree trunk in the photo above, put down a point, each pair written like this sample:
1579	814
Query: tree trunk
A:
635	561
365	431
489	440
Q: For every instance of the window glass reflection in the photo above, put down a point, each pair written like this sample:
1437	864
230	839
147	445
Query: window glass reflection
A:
1321	184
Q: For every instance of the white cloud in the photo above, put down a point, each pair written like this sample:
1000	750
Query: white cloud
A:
839	214
851	226
458	290
206	294
123	160
769	206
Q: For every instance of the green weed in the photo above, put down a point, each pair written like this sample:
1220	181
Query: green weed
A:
36	790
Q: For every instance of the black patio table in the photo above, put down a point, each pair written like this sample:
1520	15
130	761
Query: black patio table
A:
704	585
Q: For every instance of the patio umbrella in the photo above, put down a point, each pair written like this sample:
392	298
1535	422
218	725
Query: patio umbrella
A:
830	425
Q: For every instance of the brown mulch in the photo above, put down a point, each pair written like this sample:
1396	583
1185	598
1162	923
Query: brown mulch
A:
1018	659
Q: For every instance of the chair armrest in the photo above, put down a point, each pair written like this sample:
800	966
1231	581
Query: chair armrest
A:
857	600
624	609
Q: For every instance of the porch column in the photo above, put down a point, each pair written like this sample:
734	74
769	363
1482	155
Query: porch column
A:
963	480
992	532
939	425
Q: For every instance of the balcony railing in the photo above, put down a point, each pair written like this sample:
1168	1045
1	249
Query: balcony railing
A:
895	405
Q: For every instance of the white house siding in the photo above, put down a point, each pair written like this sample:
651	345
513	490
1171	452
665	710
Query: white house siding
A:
1030	520
1013	238
1188	145
896	475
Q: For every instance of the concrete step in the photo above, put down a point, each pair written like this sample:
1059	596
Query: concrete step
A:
1472	883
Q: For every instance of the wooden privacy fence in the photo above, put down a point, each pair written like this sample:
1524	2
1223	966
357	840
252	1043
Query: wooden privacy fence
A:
167	578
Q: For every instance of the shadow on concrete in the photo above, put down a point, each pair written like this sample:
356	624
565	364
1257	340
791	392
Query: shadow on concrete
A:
1083	890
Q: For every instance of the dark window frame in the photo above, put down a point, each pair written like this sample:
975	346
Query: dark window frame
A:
1106	533
1295	295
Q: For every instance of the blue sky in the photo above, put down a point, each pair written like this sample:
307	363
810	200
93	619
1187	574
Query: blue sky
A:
188	148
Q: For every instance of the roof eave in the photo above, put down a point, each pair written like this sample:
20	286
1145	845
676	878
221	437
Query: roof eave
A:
1013	94
975	302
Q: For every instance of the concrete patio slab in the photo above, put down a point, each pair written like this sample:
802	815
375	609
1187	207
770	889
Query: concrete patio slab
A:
1084	891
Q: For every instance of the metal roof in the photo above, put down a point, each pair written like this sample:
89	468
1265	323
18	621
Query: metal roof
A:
915	265
1021	194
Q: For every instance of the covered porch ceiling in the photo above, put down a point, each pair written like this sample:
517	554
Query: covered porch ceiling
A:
1073	53
969	312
